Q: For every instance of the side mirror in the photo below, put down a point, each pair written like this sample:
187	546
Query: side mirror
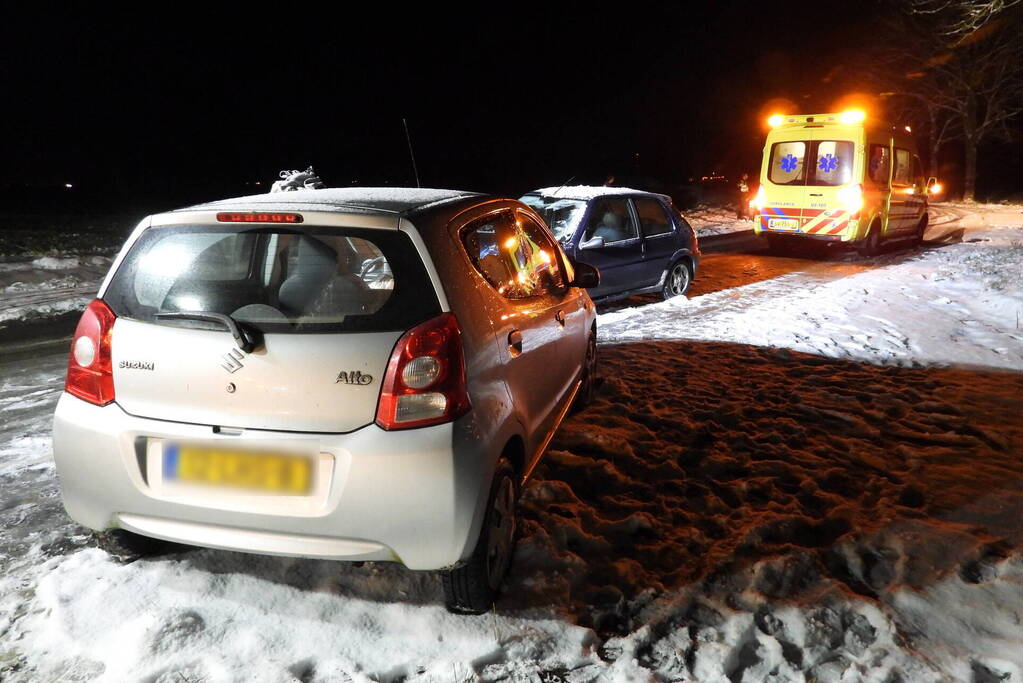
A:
586	276
592	243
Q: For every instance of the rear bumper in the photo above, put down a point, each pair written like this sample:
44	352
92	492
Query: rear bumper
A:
408	496
840	231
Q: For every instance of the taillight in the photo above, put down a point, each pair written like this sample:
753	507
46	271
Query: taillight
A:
760	200
851	198
90	371
425	379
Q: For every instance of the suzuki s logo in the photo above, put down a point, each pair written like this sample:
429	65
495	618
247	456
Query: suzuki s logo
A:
353	377
232	360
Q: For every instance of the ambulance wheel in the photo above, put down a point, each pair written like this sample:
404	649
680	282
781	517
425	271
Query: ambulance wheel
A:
871	245
775	244
678	280
473	587
921	228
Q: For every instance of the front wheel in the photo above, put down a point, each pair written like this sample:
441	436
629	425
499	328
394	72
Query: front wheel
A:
678	280
127	546
871	246
473	587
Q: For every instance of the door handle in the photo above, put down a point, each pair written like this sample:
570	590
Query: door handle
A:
560	317
515	342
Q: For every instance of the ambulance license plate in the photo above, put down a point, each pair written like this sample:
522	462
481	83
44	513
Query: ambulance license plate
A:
783	223
268	472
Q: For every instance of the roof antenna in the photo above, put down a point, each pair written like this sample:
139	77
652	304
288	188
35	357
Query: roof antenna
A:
563	186
410	152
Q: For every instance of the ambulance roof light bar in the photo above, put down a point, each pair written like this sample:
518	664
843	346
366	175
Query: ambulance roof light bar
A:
847	117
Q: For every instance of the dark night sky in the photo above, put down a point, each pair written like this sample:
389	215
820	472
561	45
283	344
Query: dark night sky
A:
192	104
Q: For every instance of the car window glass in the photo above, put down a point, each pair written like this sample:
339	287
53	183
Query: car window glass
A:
834	162
541	252
610	218
787	166
316	280
562	215
652	218
918	171
504	256
903	168
880	164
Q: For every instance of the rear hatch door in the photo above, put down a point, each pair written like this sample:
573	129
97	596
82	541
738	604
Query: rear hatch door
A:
328	303
829	168
785	186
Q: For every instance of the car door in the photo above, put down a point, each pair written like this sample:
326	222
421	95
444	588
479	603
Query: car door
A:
902	208
619	256
530	316
658	232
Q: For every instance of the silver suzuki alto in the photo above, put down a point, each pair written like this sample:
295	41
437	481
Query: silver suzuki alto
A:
352	374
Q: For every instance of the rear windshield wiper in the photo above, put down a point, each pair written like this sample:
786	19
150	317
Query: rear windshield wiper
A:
248	339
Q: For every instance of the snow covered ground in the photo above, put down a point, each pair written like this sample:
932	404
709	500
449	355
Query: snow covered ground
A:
948	304
47	285
746	500
715	220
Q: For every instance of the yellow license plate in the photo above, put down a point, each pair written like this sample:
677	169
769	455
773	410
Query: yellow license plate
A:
285	474
783	223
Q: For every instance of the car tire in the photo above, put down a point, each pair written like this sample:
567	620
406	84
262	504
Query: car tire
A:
775	244
677	282
918	235
472	588
588	386
871	244
127	546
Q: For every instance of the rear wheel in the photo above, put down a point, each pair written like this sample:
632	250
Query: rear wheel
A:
678	280
775	243
473	587
588	387
871	245
918	235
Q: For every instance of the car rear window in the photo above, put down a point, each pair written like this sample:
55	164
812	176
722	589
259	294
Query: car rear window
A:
313	280
832	162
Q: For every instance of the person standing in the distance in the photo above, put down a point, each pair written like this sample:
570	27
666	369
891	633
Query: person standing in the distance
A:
742	211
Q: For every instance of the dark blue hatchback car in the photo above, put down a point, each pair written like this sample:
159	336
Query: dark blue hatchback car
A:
637	239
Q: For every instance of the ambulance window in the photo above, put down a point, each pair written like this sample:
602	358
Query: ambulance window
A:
787	166
903	168
834	161
880	164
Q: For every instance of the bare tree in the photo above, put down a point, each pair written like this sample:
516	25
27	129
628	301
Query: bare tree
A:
962	65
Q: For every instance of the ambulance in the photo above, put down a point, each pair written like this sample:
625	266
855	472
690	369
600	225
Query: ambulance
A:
840	177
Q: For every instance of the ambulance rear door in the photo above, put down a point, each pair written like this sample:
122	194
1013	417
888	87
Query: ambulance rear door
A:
831	168
784	179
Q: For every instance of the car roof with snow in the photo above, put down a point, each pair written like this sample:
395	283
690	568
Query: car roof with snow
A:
587	192
385	200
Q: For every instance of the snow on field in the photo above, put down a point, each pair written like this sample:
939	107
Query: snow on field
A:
715	220
957	303
47	286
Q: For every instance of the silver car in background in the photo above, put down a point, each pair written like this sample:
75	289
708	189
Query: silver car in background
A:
355	374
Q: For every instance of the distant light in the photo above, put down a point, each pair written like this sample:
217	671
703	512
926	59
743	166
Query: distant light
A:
852	116
908	129
68	185
775	120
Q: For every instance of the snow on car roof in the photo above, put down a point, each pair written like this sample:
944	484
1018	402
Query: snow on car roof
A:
385	199
587	191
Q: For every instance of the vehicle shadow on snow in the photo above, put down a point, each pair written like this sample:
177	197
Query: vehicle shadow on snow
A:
729	467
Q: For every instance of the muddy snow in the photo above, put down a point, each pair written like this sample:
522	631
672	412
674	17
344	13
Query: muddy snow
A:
765	493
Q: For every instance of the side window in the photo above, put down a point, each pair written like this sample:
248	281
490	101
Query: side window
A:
610	218
918	172
541	254
653	220
834	163
503	255
880	164
903	168
787	167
